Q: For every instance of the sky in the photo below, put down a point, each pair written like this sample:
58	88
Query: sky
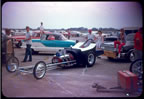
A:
57	15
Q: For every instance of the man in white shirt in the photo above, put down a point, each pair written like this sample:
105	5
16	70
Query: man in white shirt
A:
28	46
90	35
42	37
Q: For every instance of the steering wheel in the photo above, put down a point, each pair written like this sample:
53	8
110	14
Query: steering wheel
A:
87	43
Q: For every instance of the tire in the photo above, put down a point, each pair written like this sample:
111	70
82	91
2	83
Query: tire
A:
131	56
19	44
39	65
34	52
137	68
12	64
90	59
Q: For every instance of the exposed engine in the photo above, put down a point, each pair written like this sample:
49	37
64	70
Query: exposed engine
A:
62	56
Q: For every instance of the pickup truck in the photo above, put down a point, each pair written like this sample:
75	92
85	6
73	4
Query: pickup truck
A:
127	51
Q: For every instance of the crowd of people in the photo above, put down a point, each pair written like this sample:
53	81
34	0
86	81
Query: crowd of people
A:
99	40
138	42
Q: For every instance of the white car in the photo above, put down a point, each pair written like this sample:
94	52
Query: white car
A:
51	43
75	33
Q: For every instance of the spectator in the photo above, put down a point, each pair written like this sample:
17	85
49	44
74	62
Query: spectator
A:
42	37
90	35
69	34
138	43
28	51
121	41
41	28
100	40
8	33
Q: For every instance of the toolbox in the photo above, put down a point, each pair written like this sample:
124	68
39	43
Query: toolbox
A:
128	81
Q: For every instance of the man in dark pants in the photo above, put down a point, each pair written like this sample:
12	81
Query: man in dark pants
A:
28	46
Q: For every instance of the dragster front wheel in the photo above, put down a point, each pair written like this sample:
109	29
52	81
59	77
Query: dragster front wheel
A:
39	70
12	64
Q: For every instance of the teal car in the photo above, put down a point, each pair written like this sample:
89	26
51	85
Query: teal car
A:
50	43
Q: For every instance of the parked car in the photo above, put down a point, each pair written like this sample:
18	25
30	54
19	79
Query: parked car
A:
64	33
84	34
127	51
110	39
129	30
75	33
103	34
18	38
51	43
96	34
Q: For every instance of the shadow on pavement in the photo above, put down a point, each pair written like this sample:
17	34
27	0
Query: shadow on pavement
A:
118	60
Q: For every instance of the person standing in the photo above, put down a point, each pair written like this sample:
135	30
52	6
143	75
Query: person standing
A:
42	36
69	34
138	43
41	28
100	40
90	35
121	41
28	41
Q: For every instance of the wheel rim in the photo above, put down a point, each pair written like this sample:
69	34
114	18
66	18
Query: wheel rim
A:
138	69
90	58
132	57
40	70
12	65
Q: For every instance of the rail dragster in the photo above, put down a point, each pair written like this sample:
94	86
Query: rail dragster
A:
82	53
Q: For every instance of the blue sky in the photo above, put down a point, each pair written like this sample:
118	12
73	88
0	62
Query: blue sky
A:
57	15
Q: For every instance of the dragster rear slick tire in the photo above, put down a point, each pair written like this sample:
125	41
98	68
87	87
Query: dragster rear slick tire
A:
41	67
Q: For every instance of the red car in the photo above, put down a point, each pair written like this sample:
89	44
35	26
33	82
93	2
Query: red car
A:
18	38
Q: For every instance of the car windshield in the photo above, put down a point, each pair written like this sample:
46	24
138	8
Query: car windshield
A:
57	37
130	37
110	39
130	31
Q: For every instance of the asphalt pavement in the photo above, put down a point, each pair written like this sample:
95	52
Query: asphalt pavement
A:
68	82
